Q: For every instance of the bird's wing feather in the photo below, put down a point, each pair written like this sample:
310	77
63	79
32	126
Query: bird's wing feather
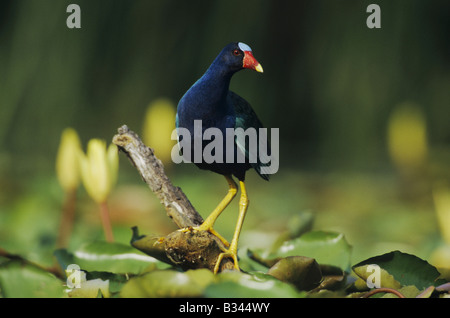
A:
247	118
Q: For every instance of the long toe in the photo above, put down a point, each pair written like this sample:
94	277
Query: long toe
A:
220	237
223	255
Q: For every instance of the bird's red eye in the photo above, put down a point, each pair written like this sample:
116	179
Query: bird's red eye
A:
236	52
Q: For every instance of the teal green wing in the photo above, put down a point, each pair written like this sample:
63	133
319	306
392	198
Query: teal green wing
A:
246	118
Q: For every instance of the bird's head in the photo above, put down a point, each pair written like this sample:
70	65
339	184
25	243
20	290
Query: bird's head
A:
248	61
238	56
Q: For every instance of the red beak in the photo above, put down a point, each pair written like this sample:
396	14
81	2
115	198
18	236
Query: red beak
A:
251	63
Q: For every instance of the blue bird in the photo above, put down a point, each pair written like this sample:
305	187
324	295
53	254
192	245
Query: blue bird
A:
210	102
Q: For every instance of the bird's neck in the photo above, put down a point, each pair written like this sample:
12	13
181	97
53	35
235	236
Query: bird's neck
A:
214	86
217	81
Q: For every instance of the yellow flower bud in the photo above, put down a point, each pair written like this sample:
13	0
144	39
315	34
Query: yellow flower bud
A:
158	126
67	169
407	136
99	169
441	196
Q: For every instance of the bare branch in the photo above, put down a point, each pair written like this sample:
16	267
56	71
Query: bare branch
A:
177	205
188	249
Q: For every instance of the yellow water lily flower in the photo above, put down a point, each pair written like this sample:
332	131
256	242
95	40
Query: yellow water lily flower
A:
67	169
441	196
407	136
99	168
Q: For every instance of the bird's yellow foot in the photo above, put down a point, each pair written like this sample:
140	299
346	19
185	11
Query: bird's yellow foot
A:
228	253
207	229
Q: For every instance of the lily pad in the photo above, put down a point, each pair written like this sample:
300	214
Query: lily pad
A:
91	289
233	284
300	271
374	276
407	291
168	283
116	281
24	280
112	257
327	248
404	268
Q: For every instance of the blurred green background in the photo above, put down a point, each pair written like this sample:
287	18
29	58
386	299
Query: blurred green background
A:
363	114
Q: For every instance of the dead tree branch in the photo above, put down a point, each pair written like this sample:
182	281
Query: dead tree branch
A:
187	249
177	205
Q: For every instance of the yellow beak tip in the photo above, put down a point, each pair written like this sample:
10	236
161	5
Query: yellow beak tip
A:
259	68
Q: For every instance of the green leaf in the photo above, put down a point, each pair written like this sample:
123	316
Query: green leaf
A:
367	271
233	284
23	280
113	257
116	281
405	268
297	225
407	291
327	248
300	271
95	288
426	293
168	283
64	257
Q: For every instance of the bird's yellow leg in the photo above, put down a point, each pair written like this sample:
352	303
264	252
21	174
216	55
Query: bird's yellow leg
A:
208	224
232	250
